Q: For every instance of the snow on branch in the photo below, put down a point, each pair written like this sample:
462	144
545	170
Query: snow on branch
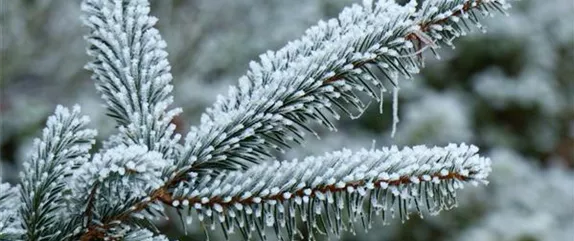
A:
131	72
128	174
112	193
144	235
324	72
310	79
64	146
326	190
10	226
116	194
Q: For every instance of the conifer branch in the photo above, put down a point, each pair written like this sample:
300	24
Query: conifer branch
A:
321	189
220	172
131	72
309	79
64	146
328	66
10	220
128	174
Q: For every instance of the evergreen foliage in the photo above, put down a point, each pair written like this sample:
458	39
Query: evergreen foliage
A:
223	170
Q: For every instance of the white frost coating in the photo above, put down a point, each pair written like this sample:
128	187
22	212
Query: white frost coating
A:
143	235
132	172
331	63
64	145
297	78
10	221
131	72
395	110
308	80
364	175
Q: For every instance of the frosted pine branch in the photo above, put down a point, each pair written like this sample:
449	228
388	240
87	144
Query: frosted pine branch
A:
278	96
63	147
128	174
327	189
132	72
312	78
10	226
144	235
239	136
115	195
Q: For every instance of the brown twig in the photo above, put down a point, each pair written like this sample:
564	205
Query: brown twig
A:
322	189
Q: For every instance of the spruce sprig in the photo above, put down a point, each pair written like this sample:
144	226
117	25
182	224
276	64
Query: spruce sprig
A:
223	171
